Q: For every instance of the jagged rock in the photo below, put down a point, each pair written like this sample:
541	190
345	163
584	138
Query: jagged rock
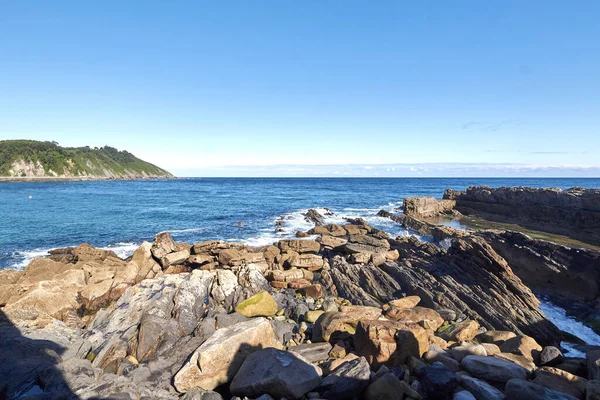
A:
550	356
366	244
218	359
519	389
314	216
480	389
277	373
163	245
313	352
299	246
259	305
389	343
176	258
493	369
340	325
426	317
427	206
522	345
348	380
461	331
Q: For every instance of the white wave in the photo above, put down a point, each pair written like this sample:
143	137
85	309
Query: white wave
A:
122	249
185	230
23	258
558	316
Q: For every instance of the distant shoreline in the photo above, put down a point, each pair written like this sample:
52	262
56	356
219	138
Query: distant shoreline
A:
8	179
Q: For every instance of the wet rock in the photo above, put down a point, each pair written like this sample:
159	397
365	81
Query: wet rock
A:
518	389
277	373
218	359
259	305
349	380
315	217
493	369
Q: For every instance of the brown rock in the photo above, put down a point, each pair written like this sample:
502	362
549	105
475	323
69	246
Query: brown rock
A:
562	381
314	291
461	331
522	345
496	337
299	246
340	325
390	343
312	262
426	317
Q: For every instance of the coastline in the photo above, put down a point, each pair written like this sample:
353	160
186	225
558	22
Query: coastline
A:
8	179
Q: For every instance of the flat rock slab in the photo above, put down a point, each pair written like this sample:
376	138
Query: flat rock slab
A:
493	369
518	389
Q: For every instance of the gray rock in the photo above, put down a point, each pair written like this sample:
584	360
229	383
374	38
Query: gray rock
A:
442	357
593	364
467	349
493	369
199	394
437	382
550	356
227	320
385	387
283	330
518	389
275	372
463	395
349	380
480	389
313	352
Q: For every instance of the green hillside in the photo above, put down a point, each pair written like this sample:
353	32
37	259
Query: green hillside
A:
30	158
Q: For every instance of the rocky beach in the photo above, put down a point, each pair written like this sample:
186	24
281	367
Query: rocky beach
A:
343	311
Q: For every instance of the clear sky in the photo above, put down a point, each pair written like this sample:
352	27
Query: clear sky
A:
198	87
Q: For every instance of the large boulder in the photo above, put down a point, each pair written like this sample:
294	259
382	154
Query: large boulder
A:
299	246
426	317
261	304
218	359
277	373
163	245
519	389
390	343
348	381
522	345
493	369
340	325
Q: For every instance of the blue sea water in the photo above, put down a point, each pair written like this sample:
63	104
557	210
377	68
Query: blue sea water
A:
38	216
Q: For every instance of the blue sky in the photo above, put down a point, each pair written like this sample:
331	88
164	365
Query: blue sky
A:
209	88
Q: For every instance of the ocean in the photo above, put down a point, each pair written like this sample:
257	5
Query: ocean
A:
38	216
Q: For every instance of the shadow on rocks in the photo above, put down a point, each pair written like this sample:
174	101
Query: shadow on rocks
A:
28	368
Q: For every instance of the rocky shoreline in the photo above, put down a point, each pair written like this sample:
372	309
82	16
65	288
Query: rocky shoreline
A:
342	312
81	178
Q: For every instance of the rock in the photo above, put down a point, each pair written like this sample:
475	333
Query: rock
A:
389	343
403	303
201	395
176	258
593	364
592	391
311	262
518	389
314	216
426	317
331	242
349	380
340	325
561	381
480	389
385	387
277	373
493	369
523	361
461	331
313	352
522	345
463	395
312	316
313	291
550	356
299	246
467	349
437	382
163	245
229	256
496	337
366	244
491	349
425	207
432	357
218	359
259	305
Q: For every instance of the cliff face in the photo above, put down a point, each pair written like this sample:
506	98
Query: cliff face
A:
33	159
574	212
